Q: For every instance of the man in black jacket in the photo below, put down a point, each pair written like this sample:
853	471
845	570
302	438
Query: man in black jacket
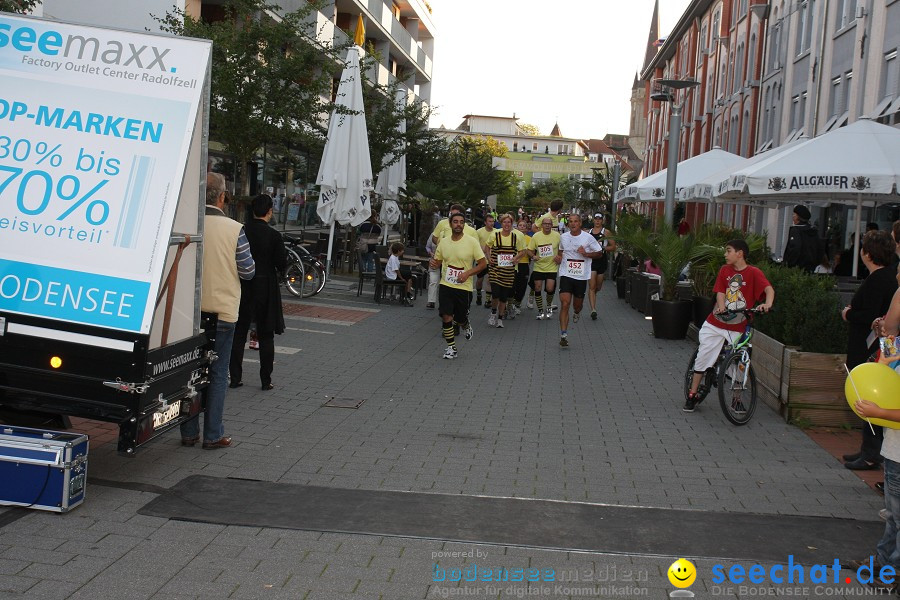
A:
804	249
261	296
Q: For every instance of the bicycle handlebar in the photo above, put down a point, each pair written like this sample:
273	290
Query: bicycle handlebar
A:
747	312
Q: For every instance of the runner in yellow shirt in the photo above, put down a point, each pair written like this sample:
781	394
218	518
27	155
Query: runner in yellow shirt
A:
555	207
441	231
483	234
544	246
457	258
505	247
520	285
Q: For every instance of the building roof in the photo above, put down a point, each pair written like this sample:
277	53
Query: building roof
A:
601	147
696	9
555	132
652	38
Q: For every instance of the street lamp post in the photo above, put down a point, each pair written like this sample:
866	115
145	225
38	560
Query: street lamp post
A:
674	130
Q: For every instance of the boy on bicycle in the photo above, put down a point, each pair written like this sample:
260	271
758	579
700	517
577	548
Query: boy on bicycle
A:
738	286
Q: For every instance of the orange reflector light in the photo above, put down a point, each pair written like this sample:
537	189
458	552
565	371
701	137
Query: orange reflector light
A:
56	362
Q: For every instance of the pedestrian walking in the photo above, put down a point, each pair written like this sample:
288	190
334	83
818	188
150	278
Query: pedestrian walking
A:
226	261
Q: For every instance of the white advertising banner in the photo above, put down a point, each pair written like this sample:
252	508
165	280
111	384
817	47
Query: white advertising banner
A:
95	127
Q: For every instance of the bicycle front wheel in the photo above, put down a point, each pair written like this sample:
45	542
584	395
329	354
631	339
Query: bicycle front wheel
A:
737	388
294	277
313	280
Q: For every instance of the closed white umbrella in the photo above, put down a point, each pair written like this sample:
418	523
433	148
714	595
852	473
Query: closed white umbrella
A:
345	173
393	177
856	164
690	172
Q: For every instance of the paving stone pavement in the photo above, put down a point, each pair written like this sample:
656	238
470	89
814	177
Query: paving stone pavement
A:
515	416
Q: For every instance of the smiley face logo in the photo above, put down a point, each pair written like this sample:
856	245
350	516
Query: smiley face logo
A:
682	573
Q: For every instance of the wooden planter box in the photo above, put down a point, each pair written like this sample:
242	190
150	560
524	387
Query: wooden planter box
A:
768	361
812	388
801	385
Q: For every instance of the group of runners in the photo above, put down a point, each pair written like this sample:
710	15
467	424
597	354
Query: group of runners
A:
500	264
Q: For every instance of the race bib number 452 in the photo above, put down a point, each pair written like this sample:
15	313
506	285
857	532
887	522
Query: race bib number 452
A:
575	268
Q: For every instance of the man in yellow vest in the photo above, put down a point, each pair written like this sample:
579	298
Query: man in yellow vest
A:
226	260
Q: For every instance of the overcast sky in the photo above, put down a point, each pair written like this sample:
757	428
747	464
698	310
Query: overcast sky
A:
571	60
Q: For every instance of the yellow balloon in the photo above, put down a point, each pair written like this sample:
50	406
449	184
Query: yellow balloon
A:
876	383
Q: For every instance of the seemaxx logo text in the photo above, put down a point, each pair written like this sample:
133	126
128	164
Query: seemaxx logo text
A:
42	39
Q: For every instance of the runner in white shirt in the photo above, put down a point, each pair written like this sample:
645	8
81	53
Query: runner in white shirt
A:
576	249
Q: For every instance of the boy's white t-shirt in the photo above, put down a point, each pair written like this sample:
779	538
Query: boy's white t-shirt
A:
391	268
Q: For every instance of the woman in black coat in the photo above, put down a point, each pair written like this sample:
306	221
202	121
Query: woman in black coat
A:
871	301
260	296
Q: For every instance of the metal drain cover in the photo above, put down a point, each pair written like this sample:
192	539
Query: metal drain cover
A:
344	403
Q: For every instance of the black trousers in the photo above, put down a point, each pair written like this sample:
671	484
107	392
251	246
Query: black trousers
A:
266	353
521	282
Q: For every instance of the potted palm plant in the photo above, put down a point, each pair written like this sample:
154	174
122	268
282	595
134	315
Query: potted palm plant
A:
671	253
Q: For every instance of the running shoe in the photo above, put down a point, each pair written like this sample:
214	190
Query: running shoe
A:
690	403
470	333
530	302
553	308
564	342
492	320
576	317
499	323
450	353
593	315
542	315
429	305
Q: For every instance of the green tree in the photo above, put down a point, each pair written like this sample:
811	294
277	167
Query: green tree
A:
383	117
470	169
18	6
270	77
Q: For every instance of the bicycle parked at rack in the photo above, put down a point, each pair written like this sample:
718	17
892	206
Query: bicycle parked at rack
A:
305	274
732	374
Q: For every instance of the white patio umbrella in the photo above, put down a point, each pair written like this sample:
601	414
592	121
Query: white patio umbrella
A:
856	164
345	173
689	172
705	189
393	177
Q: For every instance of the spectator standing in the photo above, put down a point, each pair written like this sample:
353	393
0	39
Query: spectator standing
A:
804	248
261	296
226	261
871	300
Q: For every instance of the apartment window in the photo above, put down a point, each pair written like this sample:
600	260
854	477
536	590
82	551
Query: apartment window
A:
539	177
846	13
704	42
395	9
804	17
764	134
562	149
534	147
795	111
739	68
745	134
889	75
751	59
834	103
802	122
847	90
743	8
